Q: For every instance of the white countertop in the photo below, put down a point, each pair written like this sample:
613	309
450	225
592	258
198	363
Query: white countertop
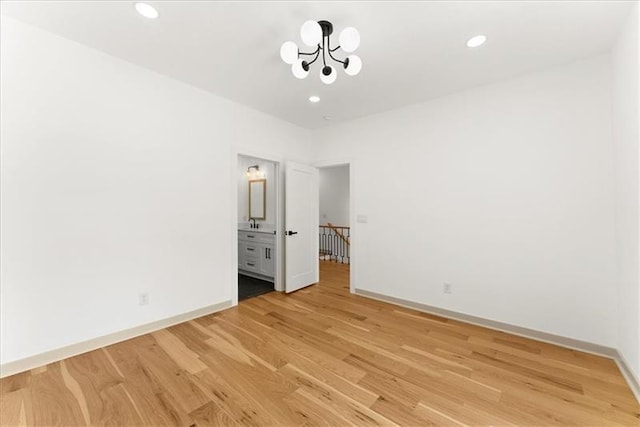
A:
258	230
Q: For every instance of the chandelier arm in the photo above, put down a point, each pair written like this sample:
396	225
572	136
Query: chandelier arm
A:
329	49
316	58
334	49
335	59
310	53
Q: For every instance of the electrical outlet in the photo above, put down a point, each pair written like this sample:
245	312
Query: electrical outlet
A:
143	299
447	288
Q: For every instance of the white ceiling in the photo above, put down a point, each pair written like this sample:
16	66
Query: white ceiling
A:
411	51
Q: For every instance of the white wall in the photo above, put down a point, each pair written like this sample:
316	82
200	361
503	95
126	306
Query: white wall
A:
334	195
243	191
504	191
626	72
115	181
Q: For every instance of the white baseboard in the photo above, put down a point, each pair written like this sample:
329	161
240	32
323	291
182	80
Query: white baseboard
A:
571	343
627	373
42	359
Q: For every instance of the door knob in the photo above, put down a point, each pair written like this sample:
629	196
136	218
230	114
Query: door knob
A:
291	233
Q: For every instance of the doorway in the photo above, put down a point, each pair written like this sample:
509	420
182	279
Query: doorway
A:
301	208
335	233
258	245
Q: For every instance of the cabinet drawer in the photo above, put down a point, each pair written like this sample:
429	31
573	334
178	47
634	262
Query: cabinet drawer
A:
248	236
249	249
251	264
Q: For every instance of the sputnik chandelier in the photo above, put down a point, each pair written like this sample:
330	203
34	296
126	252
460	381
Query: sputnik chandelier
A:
318	34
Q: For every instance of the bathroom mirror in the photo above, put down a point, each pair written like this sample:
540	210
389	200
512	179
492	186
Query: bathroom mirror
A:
258	198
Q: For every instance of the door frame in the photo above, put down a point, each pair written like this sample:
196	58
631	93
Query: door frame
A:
353	271
279	240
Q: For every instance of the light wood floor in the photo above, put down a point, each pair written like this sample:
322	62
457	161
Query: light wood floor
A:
323	356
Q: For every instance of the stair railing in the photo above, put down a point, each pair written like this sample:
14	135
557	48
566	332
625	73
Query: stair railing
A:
335	243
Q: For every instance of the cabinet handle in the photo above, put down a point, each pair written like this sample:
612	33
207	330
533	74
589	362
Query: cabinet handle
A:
269	249
250	264
251	249
249	236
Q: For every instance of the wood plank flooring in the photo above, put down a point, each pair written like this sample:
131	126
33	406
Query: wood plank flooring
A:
322	356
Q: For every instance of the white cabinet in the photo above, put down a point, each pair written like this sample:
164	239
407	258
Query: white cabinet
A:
256	254
266	261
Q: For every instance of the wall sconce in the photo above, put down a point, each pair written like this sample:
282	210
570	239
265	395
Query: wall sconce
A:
254	172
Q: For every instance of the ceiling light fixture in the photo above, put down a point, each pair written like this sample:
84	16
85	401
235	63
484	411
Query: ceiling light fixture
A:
318	34
146	10
314	99
476	41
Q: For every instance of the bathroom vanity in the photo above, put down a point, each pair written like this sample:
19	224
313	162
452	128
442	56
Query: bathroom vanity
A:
256	253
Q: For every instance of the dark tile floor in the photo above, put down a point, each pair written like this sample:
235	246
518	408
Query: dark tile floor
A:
250	287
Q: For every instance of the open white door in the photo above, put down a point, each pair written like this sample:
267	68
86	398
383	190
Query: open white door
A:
301	219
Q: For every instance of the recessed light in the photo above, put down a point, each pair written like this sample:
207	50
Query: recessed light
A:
476	41
146	10
314	99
